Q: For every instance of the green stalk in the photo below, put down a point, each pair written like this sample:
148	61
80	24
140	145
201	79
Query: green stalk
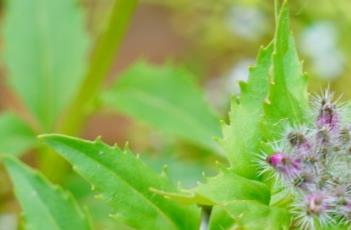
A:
101	60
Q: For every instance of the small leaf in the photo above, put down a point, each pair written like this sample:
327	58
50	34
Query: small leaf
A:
288	98
16	136
250	215
45	206
124	182
227	186
165	98
45	51
224	187
242	136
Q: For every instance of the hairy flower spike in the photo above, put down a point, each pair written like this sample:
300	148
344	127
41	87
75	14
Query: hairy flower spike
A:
328	116
314	163
316	204
285	164
296	139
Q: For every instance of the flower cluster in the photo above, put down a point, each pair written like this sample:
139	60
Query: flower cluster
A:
314	162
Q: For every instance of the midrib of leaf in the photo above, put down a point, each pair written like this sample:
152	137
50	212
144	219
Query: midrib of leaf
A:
165	106
140	194
43	206
284	43
42	20
287	100
278	66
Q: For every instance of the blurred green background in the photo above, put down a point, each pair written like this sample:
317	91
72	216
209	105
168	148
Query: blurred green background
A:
215	40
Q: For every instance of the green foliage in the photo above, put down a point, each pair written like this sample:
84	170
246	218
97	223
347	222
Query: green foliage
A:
288	98
228	186
276	92
220	189
166	98
241	137
45	206
124	181
45	51
248	214
101	60
16	136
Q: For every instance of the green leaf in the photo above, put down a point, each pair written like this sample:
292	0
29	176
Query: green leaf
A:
224	187
45	206
16	136
241	137
124	181
45	50
227	186
249	215
165	98
288	98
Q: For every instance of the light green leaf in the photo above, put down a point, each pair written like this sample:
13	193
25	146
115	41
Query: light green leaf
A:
249	215
15	135
227	186
124	181
224	187
166	98
45	206
242	136
288	98
45	49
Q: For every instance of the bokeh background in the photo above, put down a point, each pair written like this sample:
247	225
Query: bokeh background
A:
216	40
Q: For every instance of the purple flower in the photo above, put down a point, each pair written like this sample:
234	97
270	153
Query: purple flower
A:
313	162
328	117
285	164
316	204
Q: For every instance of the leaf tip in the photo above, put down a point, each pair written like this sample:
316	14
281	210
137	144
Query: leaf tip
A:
267	101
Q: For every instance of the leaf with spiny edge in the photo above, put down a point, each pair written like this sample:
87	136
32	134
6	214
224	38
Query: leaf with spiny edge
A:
124	182
45	206
241	136
224	187
248	214
288	98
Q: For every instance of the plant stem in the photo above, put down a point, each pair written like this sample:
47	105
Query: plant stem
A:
205	217
100	64
101	60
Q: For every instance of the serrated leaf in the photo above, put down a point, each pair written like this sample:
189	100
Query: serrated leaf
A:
165	98
227	186
224	187
249	215
15	135
242	136
124	181
45	50
288	98
45	206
